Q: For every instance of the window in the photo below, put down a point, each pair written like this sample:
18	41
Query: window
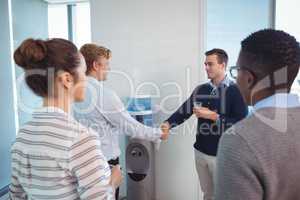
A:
83	24
229	23
287	17
58	21
70	21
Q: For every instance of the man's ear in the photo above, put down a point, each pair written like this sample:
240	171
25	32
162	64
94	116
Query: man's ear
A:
66	79
250	80
224	66
95	66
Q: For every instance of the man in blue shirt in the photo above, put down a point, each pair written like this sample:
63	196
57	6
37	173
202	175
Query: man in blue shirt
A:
217	104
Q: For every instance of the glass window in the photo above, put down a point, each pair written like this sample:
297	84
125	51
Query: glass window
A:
58	21
229	23
82	24
287	18
59	24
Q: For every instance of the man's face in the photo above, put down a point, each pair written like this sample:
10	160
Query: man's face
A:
245	79
80	86
213	68
103	67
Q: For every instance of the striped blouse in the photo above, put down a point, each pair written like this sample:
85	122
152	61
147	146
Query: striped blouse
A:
54	157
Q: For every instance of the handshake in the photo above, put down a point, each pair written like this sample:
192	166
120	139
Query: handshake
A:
165	128
200	112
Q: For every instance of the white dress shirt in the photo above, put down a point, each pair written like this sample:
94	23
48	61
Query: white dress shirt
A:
103	111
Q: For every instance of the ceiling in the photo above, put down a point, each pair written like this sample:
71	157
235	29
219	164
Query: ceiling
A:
64	1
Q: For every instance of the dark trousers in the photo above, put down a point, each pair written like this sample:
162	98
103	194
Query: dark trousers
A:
115	162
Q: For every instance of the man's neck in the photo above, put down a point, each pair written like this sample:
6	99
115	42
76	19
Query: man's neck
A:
258	96
216	81
94	75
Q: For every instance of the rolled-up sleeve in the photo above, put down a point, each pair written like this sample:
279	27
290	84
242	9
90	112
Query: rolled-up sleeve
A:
114	111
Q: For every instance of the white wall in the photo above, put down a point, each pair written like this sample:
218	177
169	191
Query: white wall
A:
157	41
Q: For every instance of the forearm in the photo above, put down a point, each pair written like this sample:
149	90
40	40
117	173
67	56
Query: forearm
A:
181	114
130	126
138	130
176	119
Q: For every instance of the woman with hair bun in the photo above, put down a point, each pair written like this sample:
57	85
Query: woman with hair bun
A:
54	157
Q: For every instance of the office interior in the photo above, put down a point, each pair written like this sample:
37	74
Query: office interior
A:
158	51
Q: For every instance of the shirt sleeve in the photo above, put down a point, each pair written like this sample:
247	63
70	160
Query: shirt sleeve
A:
89	166
184	112
238	170
16	191
114	111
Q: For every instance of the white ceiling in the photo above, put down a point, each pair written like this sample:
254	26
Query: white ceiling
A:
64	1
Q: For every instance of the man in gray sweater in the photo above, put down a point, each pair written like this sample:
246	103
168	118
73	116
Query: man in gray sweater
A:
259	157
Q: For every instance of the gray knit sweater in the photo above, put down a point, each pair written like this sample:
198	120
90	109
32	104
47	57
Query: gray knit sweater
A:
259	157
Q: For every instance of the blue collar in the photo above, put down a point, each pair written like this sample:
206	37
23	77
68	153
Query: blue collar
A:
279	100
93	80
226	81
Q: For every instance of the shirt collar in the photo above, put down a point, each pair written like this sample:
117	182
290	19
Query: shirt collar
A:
226	81
93	80
279	100
50	109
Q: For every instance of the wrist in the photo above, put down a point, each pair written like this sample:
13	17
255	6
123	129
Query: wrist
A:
215	116
112	184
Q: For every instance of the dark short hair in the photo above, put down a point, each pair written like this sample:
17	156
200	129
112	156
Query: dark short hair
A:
272	50
56	54
221	54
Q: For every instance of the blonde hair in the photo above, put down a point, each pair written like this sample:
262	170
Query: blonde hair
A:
91	52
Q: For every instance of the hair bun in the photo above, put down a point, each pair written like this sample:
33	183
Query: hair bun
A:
30	52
